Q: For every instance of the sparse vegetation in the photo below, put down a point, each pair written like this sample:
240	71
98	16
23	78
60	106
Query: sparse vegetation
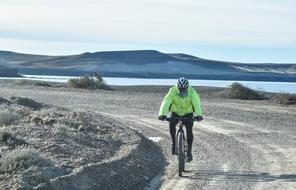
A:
10	140
28	82
8	117
21	158
284	98
43	83
26	102
238	91
88	82
4	101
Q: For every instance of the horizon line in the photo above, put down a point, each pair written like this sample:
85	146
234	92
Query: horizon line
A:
130	50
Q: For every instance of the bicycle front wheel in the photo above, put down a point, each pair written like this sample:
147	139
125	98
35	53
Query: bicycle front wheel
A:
181	153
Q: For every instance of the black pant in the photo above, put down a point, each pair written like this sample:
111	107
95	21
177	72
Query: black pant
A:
188	125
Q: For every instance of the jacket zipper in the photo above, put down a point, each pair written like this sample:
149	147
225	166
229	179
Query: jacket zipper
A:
182	103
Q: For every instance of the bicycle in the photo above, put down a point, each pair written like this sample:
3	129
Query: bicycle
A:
181	145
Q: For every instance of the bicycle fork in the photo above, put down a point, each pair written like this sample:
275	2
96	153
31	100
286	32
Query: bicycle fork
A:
185	143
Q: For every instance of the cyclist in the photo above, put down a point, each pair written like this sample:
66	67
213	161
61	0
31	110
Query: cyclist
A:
182	101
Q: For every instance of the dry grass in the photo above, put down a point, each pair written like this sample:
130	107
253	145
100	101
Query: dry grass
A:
8	117
21	158
285	98
27	82
11	141
26	102
42	83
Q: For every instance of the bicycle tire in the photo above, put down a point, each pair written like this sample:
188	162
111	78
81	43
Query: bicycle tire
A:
181	156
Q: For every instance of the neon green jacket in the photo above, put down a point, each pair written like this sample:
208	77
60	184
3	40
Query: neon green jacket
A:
172	102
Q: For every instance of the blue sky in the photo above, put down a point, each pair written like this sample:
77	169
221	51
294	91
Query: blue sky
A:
230	30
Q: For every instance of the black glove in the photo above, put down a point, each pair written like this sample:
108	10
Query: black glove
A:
162	117
198	118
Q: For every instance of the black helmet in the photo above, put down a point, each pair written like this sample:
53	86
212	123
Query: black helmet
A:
182	83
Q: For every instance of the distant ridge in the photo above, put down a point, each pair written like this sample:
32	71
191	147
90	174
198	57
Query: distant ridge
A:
133	57
8	72
145	64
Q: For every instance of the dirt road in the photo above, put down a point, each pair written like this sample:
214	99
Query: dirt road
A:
239	145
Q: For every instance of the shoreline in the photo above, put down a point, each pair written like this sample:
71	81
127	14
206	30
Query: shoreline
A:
274	87
218	79
209	92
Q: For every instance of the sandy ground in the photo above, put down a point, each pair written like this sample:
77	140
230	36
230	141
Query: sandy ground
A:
239	145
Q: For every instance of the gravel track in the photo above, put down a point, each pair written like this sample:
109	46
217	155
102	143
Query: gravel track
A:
239	145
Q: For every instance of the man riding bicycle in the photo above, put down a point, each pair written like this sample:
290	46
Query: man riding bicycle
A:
182	101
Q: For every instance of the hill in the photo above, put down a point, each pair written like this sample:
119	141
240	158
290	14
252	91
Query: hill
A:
145	64
8	72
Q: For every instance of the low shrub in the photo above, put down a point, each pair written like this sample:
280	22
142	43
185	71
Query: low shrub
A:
4	101
284	98
238	91
26	102
8	117
28	82
88	82
22	82
22	158
10	140
43	83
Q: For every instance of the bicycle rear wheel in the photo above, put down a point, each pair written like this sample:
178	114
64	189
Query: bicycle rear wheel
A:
181	156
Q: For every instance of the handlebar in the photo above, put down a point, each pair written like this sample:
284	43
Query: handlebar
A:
180	119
